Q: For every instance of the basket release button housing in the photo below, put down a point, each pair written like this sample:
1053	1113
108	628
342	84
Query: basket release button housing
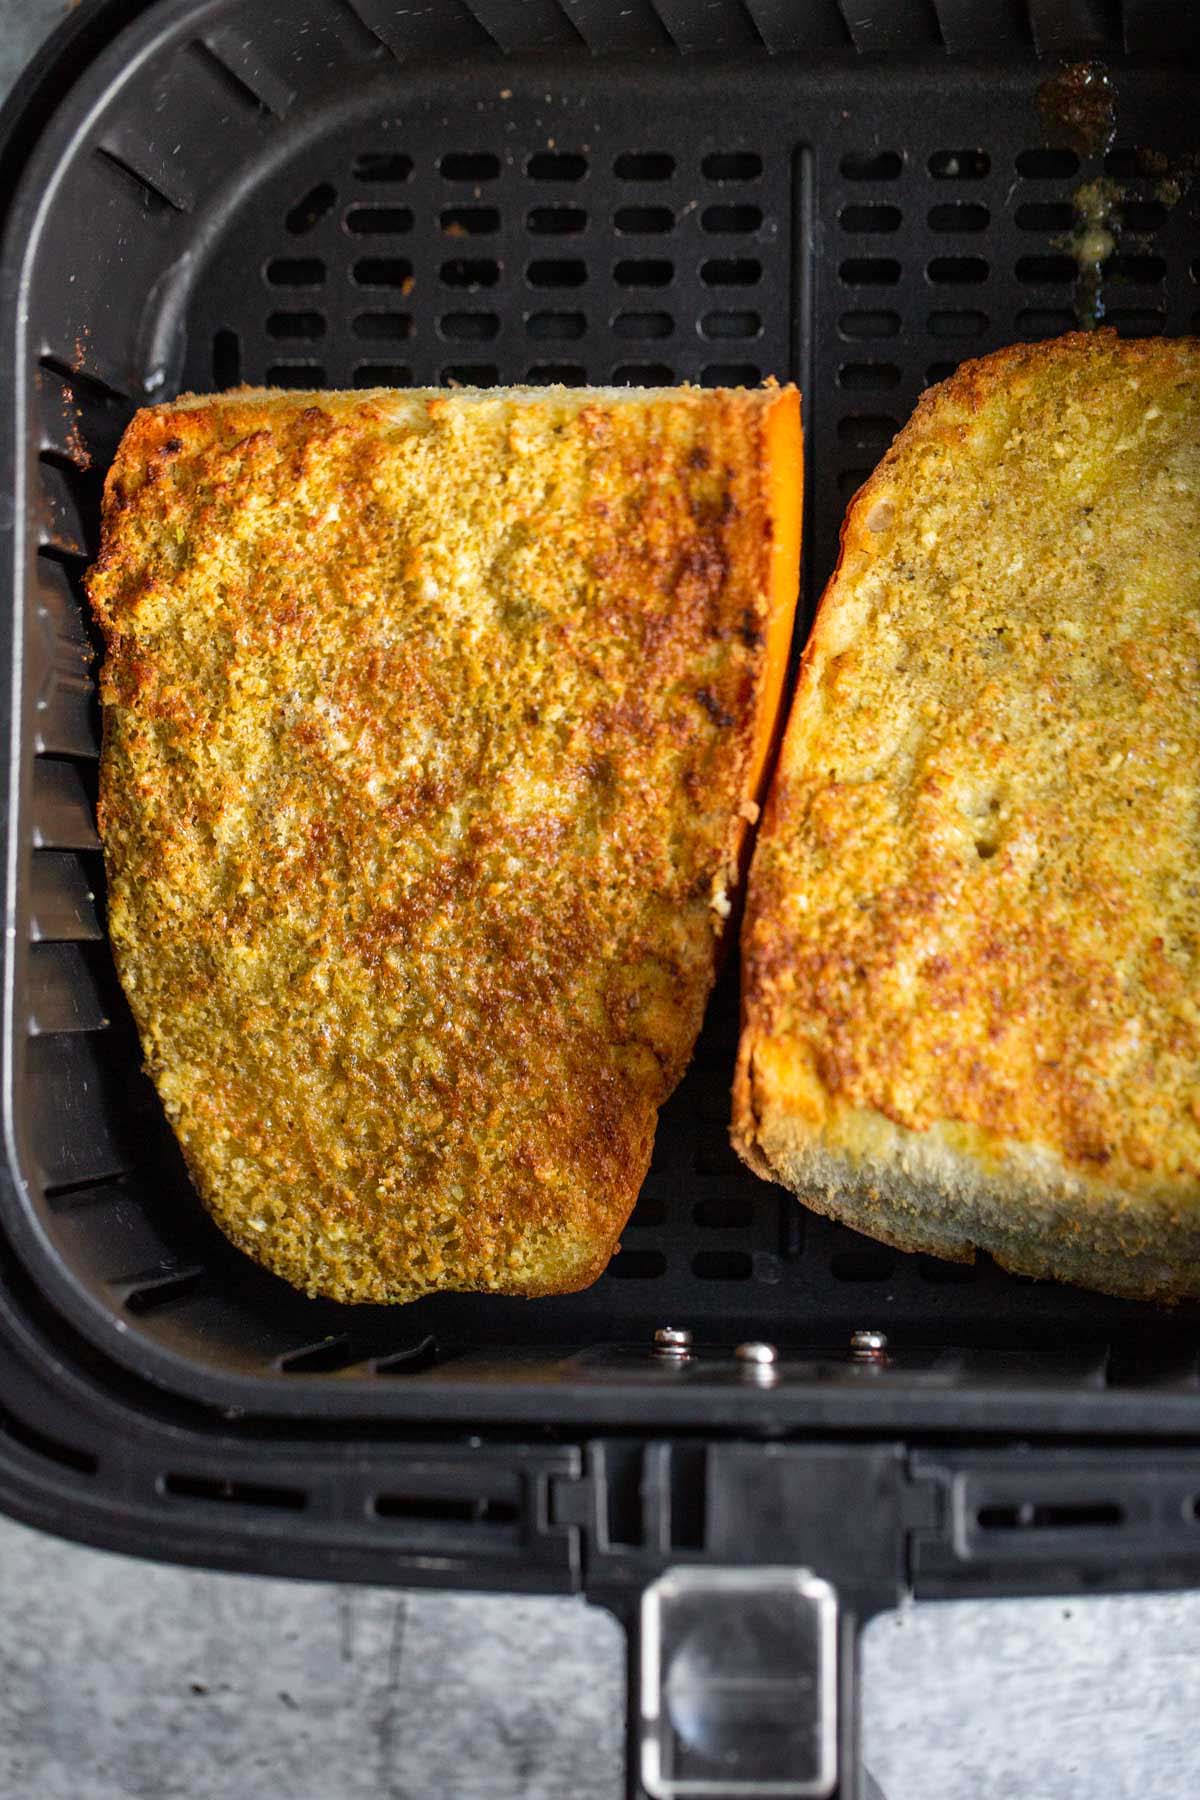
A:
739	1686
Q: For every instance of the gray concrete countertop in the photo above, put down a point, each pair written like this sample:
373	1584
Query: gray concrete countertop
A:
121	1680
124	1681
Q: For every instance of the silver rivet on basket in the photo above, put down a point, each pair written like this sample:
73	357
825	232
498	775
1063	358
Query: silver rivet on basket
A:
868	1346
757	1360
673	1342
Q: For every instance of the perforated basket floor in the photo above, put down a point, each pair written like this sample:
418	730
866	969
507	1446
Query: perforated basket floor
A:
331	204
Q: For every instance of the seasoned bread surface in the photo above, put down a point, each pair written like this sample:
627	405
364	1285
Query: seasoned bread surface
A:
972	948
433	722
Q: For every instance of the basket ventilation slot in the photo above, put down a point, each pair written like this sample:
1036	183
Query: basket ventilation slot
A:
680	244
227	1492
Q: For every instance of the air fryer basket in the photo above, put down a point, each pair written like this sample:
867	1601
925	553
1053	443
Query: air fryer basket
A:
348	192
328	204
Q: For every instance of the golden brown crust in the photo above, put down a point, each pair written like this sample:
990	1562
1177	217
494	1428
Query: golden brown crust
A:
972	951
429	724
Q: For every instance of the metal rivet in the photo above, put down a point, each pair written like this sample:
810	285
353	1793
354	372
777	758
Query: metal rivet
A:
673	1341
868	1346
757	1362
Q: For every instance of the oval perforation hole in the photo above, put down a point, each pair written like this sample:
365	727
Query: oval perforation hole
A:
556	221
227	1492
470	272
68	1456
564	373
868	1263
869	375
393	326
948	1274
1133	321
309	211
870	219
732	165
733	1212
869	324
731	375
378	221
649	1214
959	165
731	325
383	165
300	375
730	221
637	1265
381	374
733	271
1141	215
870	271
643	325
643	375
867	431
1046	271
957	271
160	1291
470	327
653	272
960	323
959	216
556	327
939	371
384	271
871	165
412	1360
469	165
1046	164
850	480
722	1265
1136	268
1030	1515
556	272
471	375
556	165
226	358
469	221
632	220
1045	215
296	325
317	1359
295	271
1041	322
433	1509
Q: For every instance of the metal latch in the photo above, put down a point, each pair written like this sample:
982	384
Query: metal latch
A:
739	1683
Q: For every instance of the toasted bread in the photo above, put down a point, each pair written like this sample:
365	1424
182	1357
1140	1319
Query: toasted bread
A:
972	947
432	726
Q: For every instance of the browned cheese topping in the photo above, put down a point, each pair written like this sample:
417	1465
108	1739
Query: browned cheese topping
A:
975	906
428	719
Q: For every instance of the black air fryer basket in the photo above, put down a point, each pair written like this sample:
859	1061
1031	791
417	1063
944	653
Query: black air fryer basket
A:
851	193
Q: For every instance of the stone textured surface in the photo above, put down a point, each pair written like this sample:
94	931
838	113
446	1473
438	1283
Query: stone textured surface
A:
1035	1699
120	1680
123	1681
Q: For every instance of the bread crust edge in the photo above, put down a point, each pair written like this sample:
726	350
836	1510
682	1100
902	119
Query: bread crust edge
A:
922	1194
